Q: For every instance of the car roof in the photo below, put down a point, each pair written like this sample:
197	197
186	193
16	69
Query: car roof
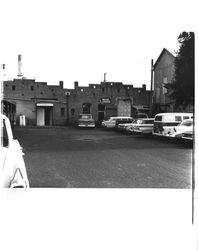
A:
174	113
122	117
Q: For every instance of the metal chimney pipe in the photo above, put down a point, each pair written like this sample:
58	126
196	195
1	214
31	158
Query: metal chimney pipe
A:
105	77
19	65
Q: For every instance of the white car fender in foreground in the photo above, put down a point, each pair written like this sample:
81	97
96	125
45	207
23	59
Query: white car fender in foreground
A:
12	166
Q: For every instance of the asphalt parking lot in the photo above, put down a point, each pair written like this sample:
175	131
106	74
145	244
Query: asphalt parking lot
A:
67	157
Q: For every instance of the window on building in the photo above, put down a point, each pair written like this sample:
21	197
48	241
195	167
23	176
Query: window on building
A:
62	111
32	88
103	90
72	112
118	90
13	87
86	108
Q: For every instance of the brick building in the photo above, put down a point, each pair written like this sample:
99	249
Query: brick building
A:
44	104
39	102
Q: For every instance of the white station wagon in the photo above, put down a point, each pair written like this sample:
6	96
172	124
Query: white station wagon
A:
12	167
165	121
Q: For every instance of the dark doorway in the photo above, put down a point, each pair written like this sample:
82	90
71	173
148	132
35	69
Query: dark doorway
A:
101	112
48	116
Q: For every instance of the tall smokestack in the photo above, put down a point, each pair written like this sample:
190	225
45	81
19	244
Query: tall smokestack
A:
105	74
19	66
3	67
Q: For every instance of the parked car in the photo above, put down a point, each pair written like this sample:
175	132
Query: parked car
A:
12	166
130	128
112	122
188	135
123	120
125	126
143	126
165	121
179	130
86	121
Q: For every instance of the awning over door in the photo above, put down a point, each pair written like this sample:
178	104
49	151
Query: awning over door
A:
45	104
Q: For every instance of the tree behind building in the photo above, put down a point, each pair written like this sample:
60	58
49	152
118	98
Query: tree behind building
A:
183	81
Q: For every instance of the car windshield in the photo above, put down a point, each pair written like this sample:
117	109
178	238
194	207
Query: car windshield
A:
186	123
147	121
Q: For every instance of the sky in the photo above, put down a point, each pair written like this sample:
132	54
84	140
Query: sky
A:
80	40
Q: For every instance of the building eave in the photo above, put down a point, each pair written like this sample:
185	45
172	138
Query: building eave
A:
160	56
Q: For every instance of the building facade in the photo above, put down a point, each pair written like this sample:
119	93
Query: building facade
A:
40	103
53	105
164	71
106	99
163	76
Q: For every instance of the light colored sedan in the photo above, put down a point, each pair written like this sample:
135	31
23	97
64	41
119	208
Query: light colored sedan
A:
12	167
143	126
112	122
186	126
125	126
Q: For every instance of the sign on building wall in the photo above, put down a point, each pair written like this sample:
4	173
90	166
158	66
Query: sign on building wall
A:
105	100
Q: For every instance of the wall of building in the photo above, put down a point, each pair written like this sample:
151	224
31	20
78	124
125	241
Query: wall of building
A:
163	74
28	93
97	94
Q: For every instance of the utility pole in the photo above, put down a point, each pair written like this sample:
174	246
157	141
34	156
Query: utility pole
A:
67	94
151	91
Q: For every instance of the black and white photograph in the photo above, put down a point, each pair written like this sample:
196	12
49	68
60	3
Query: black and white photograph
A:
98	124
